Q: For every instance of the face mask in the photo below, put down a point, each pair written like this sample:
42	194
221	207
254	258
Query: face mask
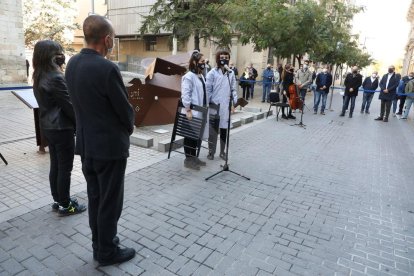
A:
325	70
354	71
305	66
374	75
60	60
390	70
201	66
224	62
410	77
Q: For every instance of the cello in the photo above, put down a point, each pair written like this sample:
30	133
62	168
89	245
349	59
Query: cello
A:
294	100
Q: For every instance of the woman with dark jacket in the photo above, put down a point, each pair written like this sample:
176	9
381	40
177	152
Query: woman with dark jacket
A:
57	122
287	80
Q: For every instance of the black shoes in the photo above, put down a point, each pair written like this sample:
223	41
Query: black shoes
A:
350	115
55	205
290	116
385	119
191	164
223	156
73	209
115	241
122	255
199	162
342	115
210	156
378	118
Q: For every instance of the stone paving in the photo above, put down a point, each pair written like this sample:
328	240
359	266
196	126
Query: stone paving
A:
336	198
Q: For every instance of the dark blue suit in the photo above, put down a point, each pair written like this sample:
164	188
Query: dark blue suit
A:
369	86
104	122
387	97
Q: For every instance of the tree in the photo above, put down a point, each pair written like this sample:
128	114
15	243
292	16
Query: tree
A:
185	18
44	19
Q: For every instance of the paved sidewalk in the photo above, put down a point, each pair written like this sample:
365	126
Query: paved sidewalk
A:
336	198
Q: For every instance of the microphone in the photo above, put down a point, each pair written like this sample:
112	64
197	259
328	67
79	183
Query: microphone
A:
227	68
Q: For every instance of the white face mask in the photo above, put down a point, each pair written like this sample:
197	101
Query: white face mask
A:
325	70
305	66
374	75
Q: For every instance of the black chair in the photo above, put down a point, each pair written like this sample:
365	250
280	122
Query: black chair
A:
274	99
193	128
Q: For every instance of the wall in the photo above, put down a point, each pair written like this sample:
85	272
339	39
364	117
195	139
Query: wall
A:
12	51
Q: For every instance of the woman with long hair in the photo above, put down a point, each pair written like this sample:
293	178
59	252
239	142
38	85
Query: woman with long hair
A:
57	122
193	91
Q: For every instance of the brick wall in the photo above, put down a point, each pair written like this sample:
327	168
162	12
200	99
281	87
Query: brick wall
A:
12	50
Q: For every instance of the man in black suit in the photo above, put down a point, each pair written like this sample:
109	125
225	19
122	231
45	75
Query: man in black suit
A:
104	122
388	85
323	83
352	83
369	85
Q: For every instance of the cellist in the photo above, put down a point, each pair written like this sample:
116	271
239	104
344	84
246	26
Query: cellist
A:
287	80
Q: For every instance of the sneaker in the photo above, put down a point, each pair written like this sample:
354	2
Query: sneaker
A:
399	113
284	116
378	118
210	156
122	255
95	252
290	116
385	119
199	162
191	164
223	156
73	209
55	205
403	118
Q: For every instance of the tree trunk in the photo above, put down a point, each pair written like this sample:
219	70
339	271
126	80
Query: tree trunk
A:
197	41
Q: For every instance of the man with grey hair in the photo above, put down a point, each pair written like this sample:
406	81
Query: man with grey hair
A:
369	85
352	83
388	85
104	122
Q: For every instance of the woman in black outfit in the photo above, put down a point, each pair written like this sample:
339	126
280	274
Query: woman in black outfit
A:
287	80
57	122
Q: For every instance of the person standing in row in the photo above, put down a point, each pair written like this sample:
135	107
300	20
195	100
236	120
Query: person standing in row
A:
57	122
254	76
369	85
193	91
303	80
409	89
388	85
352	83
323	83
104	122
221	86
268	77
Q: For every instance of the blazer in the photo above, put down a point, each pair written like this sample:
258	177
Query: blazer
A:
392	87
104	117
354	82
55	108
368	84
319	84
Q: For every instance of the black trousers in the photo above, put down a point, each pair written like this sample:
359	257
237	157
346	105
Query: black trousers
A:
212	139
285	100
105	185
190	147
402	102
61	150
246	92
385	108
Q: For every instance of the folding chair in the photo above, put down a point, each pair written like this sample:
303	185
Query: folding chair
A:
4	160
274	99
193	128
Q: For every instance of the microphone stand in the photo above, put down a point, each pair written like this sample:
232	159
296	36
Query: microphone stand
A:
225	167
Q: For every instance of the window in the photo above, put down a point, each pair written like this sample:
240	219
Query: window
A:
150	43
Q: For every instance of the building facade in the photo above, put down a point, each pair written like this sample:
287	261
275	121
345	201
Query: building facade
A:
12	50
408	64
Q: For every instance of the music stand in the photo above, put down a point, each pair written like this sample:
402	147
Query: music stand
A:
225	168
2	158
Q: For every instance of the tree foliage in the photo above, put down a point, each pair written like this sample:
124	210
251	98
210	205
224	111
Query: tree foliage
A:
200	18
44	19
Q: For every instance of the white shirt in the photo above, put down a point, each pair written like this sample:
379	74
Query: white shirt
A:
388	79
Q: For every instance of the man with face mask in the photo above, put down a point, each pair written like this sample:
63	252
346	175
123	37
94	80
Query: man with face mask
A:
268	77
369	85
221	85
352	83
303	80
388	86
323	83
104	122
409	89
400	95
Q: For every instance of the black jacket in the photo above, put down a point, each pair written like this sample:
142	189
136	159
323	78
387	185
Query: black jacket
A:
55	107
392	87
104	117
354	82
368	84
319	84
